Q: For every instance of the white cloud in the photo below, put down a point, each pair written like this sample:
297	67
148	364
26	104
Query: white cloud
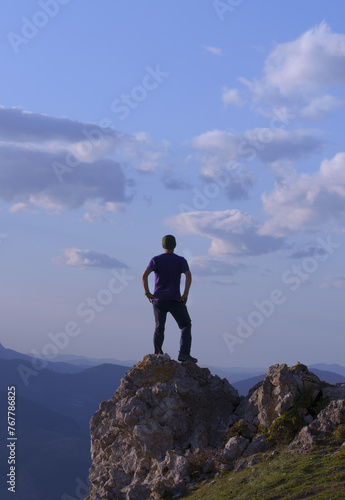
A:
217	151
232	96
303	202
266	143
50	134
143	153
87	258
299	73
222	153
217	142
319	106
94	217
271	145
214	50
56	163
232	232
314	61
28	180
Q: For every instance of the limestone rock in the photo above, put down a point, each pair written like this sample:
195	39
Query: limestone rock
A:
139	438
327	420
334	392
258	445
281	387
304	441
235	447
170	422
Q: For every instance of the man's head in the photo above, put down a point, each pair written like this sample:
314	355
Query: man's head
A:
168	242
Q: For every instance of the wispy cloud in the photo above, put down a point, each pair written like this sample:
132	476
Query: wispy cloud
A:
232	96
304	202
334	282
87	258
213	50
232	232
299	73
58	164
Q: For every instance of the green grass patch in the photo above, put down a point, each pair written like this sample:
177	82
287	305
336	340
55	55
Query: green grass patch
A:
319	475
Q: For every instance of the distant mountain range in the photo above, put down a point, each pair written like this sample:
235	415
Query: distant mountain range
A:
65	363
54	407
53	410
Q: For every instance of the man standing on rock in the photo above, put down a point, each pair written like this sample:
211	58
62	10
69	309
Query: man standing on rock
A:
168	268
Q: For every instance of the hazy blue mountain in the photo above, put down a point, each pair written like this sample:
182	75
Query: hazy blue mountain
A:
76	395
54	406
335	368
52	451
327	376
243	386
11	354
59	366
238	374
87	362
53	414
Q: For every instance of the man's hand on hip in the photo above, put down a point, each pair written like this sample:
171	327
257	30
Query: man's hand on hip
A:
184	298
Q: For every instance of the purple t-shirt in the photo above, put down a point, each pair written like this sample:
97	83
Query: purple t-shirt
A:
168	268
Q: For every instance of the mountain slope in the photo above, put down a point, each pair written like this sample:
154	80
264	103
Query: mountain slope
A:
52	451
77	395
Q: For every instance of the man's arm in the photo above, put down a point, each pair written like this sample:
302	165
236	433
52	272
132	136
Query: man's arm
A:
145	281
187	285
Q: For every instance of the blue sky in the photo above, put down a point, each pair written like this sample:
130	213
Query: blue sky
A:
218	121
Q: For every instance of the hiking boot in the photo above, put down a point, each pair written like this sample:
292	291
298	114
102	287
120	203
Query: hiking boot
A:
187	357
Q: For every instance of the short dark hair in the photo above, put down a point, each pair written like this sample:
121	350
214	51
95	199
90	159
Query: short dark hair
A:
168	242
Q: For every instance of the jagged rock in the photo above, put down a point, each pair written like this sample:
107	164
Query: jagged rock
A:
327	420
235	447
281	387
258	445
168	422
334	392
304	441
139	438
242	464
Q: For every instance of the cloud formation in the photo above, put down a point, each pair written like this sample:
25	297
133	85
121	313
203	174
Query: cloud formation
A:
56	163
232	96
27	180
313	62
232	232
299	73
223	153
304	202
88	258
18	125
217	51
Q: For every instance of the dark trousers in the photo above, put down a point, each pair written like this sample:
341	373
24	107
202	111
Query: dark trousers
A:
179	312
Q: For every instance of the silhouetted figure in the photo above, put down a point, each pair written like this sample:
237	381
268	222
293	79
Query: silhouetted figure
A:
168	268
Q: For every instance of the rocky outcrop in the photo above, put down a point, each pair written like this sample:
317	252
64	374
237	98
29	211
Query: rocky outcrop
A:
282	387
327	421
140	437
170	423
